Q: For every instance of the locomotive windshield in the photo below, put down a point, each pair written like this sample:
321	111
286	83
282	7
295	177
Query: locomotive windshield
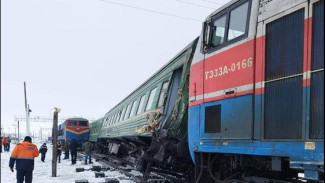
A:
231	24
72	123
83	123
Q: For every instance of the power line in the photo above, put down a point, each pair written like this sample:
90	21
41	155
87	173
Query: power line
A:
195	4
151	11
219	3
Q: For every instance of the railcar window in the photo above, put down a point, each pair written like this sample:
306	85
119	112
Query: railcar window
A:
109	120
127	112
83	123
218	35
72	123
133	109
151	97
163	94
115	115
118	116
106	121
237	23
123	113
141	104
112	119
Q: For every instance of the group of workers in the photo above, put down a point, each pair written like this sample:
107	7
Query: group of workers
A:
68	146
25	152
5	142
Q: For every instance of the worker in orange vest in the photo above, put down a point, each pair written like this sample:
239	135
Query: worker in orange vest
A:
5	144
24	154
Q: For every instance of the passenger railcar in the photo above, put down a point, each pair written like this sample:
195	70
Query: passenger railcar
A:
94	128
257	92
150	125
74	128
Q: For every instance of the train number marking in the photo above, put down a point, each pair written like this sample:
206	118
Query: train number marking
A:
224	70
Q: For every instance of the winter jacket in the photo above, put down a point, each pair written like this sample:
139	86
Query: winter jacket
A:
73	147
23	154
43	149
66	146
5	141
59	148
87	147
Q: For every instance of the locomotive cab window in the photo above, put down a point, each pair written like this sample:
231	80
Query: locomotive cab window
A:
219	28
237	22
229	26
83	123
72	123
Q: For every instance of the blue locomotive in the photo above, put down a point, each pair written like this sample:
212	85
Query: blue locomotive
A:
74	128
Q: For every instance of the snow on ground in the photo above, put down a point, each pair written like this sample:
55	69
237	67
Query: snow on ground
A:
65	171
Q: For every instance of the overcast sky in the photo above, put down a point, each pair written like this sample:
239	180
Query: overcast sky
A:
85	56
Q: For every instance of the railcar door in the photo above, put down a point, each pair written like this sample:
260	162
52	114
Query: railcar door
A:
228	72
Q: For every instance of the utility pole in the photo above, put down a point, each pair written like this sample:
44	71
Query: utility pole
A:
55	136
27	112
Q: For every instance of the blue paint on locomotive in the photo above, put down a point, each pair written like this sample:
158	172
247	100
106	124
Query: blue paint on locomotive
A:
80	138
300	156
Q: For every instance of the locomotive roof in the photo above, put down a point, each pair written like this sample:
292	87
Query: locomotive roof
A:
77	119
220	9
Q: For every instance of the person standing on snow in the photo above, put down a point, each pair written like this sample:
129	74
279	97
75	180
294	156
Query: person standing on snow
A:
5	144
59	152
73	151
43	150
24	154
8	145
87	147
66	150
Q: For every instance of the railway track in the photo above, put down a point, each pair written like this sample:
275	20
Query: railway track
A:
157	175
125	167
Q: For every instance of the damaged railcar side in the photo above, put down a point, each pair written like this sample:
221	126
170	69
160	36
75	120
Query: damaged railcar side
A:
149	127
